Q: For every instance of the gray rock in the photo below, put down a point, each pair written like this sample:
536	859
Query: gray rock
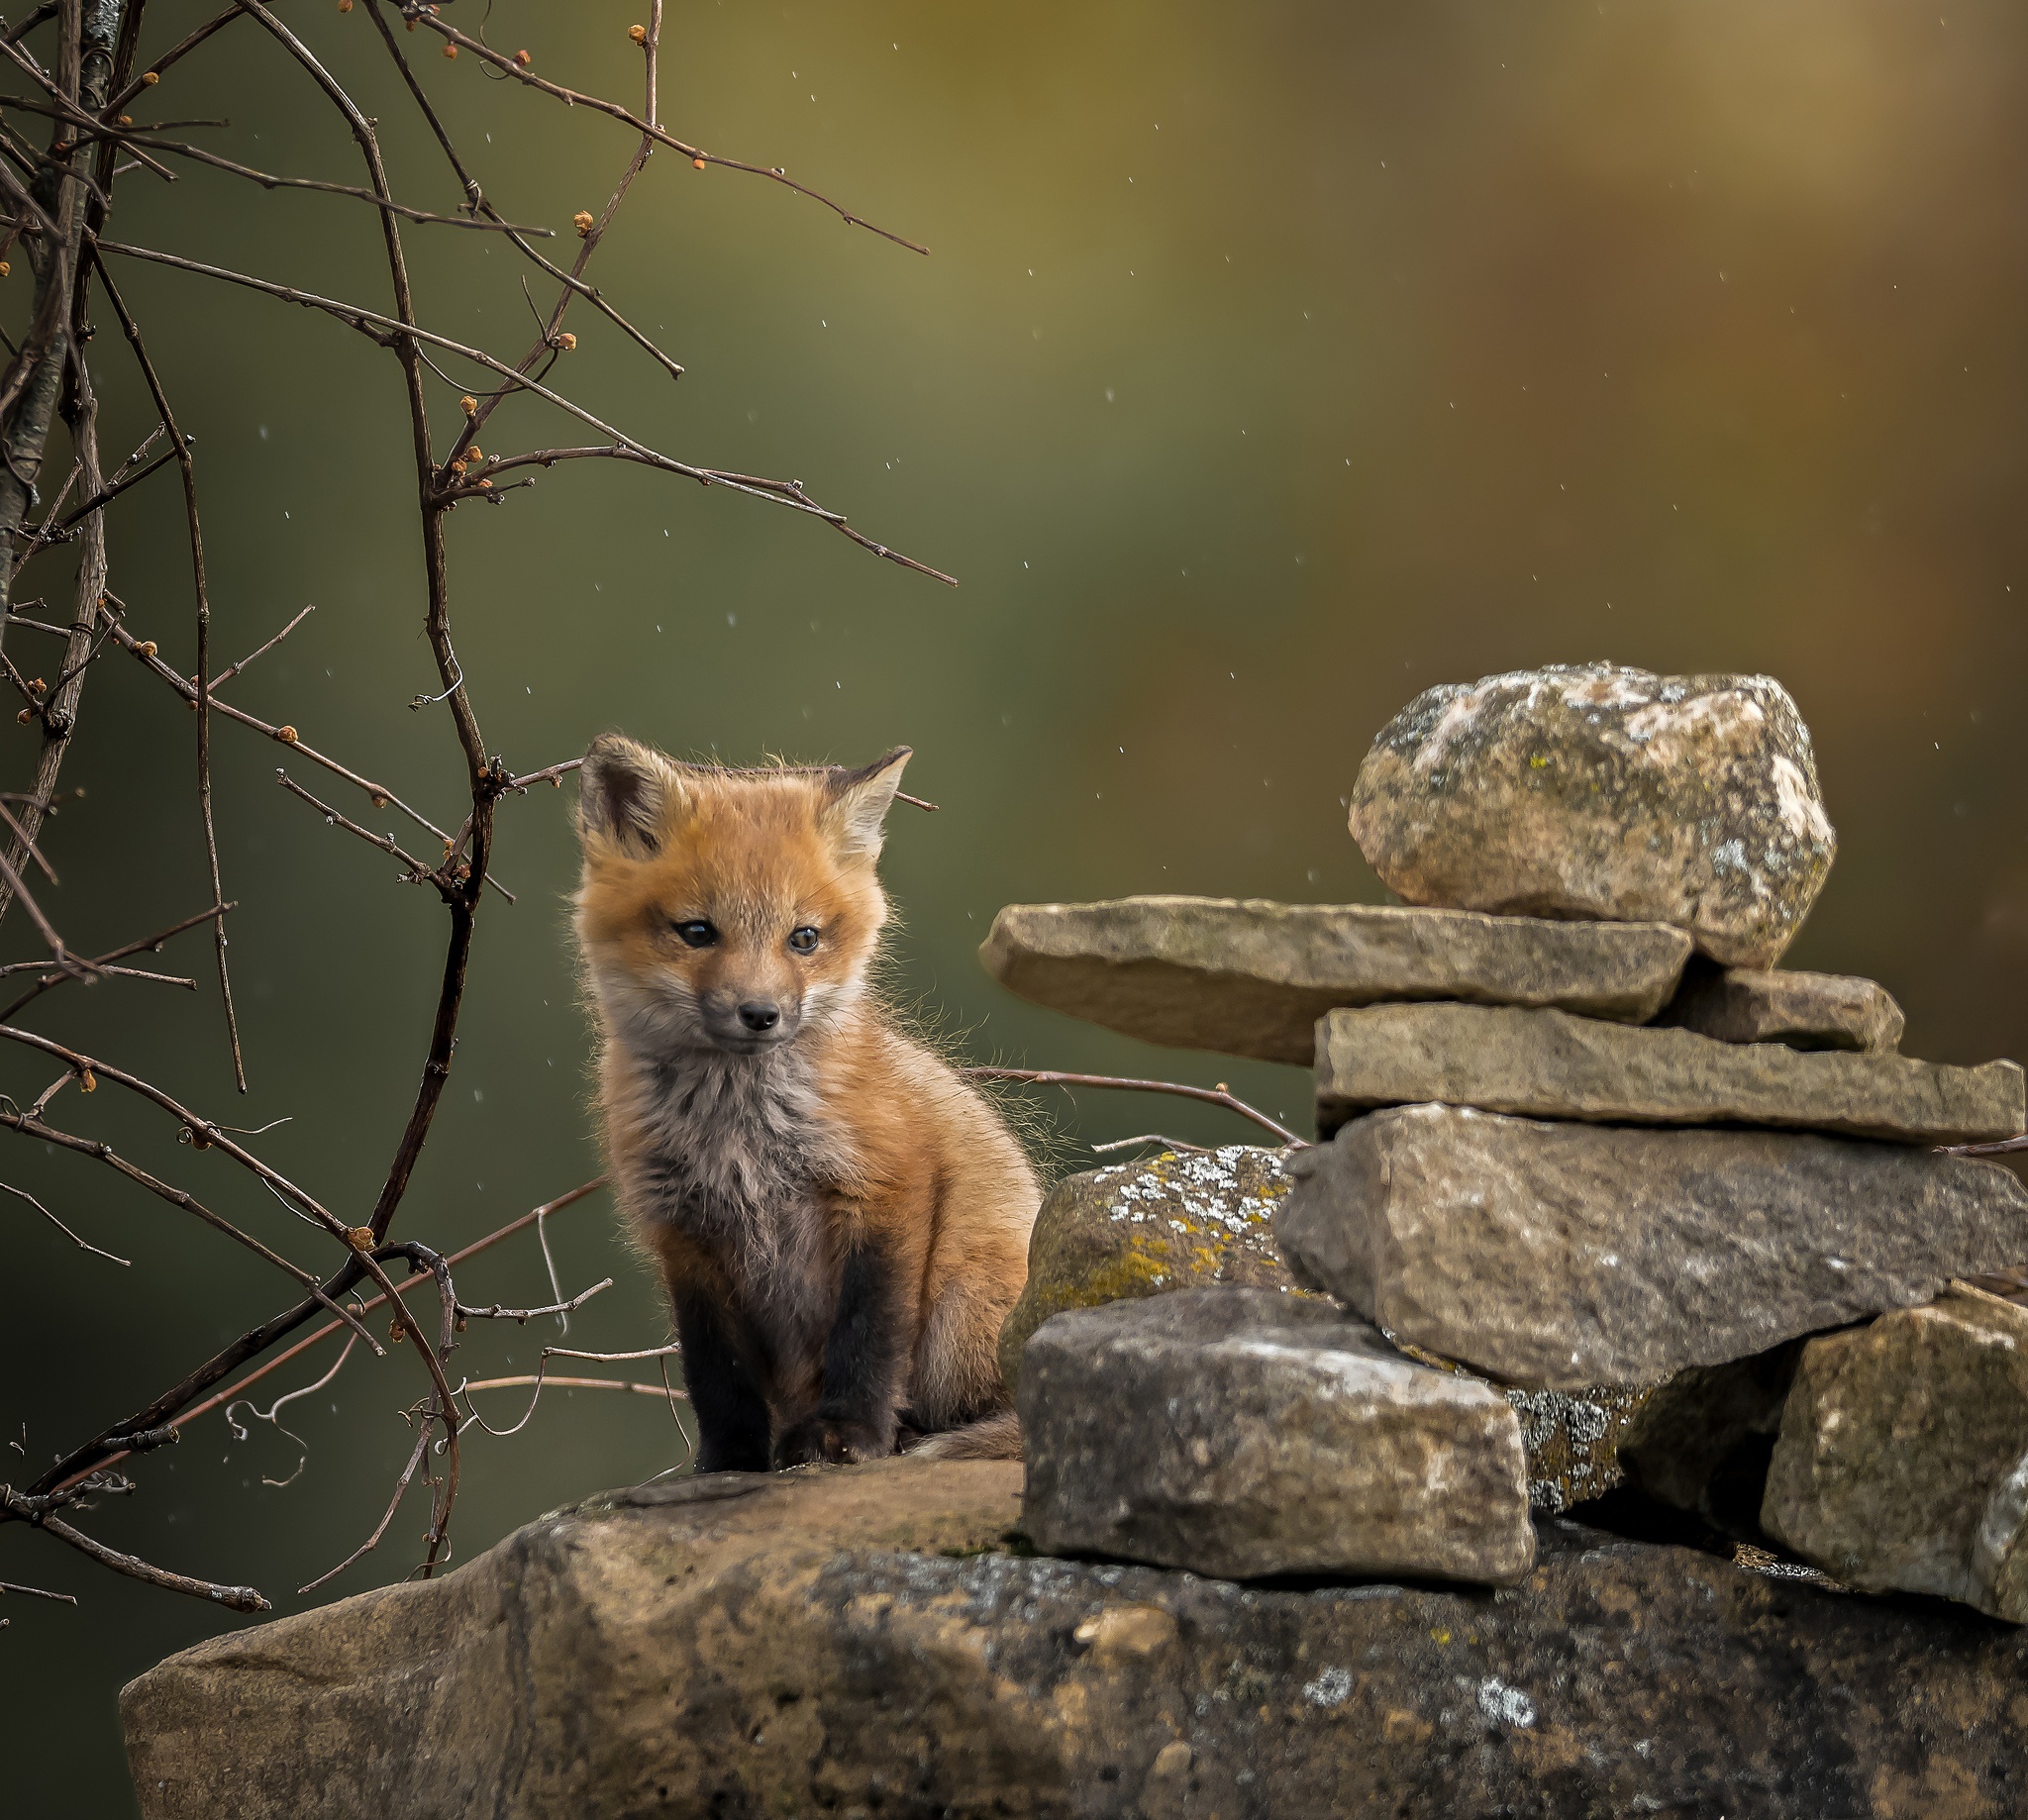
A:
1802	1010
1597	791
1573	1439
860	1639
1902	1464
1191	1220
1238	1434
1550	1065
1566	1255
1249	977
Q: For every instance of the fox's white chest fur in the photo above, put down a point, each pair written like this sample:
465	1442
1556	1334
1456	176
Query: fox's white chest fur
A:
736	1151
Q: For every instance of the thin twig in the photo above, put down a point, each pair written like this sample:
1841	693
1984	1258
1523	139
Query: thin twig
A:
1211	1096
234	1598
180	447
391	331
386	843
232	670
189	1410
572	97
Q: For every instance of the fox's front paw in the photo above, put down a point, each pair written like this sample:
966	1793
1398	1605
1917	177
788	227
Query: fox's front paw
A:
838	1440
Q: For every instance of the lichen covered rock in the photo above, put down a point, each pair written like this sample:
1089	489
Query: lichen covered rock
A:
1598	792
1180	1220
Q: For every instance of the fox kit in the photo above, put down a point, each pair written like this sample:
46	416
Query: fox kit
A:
841	1223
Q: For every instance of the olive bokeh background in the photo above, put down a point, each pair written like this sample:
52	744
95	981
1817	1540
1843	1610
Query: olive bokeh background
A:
1271	365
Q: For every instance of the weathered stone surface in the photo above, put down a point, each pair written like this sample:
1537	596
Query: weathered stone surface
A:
1902	1464
1249	977
1566	1255
829	1639
1267	1437
1550	1065
1803	1010
1598	791
1572	1440
1177	1221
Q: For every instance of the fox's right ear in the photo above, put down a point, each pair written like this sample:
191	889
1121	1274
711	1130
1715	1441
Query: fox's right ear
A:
626	792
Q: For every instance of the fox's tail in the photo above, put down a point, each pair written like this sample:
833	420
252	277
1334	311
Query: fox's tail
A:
994	1437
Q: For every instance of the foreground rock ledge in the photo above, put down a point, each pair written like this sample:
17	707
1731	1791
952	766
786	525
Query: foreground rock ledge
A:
1245	976
822	1642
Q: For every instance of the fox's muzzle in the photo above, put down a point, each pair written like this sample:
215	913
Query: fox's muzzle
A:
746	1024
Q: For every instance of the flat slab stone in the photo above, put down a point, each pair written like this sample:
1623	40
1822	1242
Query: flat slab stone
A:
1594	790
1902	1462
1179	1220
1251	977
1267	1437
1568	1254
1770	1005
851	1637
1550	1065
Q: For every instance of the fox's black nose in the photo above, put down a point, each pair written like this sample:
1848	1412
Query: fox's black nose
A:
758	1014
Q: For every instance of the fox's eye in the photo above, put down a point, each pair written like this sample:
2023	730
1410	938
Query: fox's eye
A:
698	934
803	940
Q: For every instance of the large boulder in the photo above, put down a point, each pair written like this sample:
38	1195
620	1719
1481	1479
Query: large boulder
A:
1551	1065
1248	978
862	1640
1179	1220
1902	1464
1598	792
1271	1437
1569	1254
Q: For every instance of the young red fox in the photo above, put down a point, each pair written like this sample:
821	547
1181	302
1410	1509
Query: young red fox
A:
842	1222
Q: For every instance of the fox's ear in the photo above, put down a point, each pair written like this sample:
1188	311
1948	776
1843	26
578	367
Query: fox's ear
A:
859	804
626	792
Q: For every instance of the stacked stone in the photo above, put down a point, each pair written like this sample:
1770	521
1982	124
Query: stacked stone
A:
1600	1183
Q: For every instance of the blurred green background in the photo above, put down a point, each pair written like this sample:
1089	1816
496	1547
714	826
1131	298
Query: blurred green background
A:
1271	365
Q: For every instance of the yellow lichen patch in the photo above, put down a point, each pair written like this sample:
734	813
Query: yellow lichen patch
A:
1171	1222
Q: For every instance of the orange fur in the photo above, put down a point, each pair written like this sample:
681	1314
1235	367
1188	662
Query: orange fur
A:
810	1184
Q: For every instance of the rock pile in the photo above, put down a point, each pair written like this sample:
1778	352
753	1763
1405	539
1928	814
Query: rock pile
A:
1599	1195
1604	1206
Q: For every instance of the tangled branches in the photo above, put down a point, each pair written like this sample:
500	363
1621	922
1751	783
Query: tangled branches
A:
66	141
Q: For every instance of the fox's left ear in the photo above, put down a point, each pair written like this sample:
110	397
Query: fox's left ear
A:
626	791
859	804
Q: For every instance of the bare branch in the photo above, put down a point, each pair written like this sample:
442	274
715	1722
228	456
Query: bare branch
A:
572	97
234	1598
1220	1095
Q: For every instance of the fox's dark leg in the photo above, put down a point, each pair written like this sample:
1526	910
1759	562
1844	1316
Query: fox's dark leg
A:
731	1406
864	1366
